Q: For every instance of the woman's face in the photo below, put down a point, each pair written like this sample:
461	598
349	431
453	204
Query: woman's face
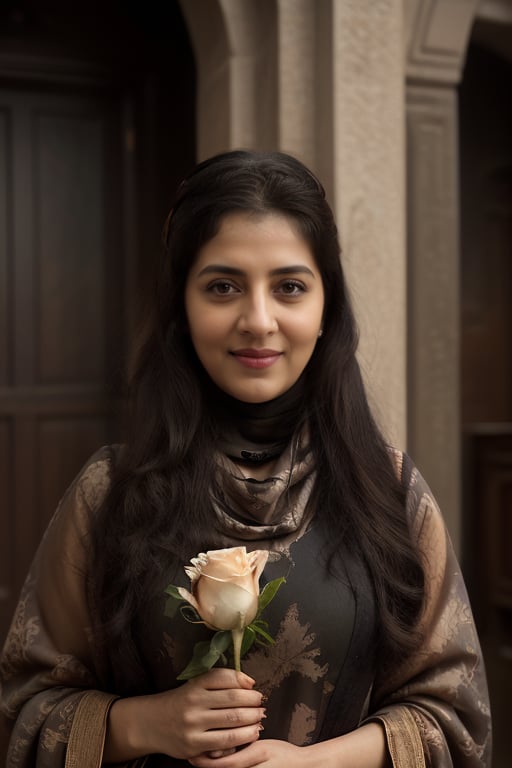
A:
254	301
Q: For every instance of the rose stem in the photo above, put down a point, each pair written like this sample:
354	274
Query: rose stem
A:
237	635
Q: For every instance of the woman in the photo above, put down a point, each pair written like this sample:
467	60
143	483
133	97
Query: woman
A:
250	426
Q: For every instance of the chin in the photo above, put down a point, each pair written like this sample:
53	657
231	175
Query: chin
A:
255	396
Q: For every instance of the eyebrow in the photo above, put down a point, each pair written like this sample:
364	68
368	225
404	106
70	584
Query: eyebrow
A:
225	270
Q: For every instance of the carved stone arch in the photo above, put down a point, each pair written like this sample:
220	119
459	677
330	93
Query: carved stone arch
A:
290	74
236	58
437	36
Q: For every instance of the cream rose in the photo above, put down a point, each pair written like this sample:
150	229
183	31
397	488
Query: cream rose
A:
225	586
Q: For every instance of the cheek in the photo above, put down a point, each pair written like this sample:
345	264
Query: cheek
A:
207	327
304	333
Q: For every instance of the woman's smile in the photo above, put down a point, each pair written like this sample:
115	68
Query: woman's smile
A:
254	301
256	358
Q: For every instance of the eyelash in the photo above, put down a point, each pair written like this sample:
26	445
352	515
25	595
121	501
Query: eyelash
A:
215	287
296	284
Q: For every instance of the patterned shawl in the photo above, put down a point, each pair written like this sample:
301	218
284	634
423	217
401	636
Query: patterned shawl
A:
433	705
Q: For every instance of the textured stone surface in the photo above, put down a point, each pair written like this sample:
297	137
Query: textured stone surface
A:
434	424
325	80
370	191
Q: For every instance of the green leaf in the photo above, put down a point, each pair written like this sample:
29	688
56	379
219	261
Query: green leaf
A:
196	666
221	641
260	623
171	607
261	632
248	640
173	601
210	658
203	659
206	654
172	591
268	592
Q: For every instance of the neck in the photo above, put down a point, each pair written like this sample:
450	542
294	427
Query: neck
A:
256	432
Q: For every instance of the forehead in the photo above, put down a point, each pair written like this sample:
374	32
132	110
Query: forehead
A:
264	236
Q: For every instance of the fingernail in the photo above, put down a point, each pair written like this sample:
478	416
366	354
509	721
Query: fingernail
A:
260	727
264	698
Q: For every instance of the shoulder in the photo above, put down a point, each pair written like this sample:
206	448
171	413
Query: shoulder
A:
423	512
428	526
94	479
84	496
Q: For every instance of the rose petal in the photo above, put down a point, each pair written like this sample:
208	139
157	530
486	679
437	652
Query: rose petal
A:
227	563
189	598
258	560
228	607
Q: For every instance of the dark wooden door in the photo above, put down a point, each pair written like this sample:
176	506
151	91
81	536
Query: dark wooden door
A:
97	127
61	305
486	359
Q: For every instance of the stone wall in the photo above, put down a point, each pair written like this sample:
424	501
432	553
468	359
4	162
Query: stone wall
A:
364	91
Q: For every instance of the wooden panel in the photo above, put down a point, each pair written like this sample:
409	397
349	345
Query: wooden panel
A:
497	503
25	526
64	446
5	267
23	239
488	507
70	235
7	595
486	238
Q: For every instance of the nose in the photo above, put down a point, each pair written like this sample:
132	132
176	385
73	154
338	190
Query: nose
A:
257	315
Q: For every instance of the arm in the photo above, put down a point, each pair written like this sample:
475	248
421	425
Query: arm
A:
217	711
437	698
363	748
51	699
47	678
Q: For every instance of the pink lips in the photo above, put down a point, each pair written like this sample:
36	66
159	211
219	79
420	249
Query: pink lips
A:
256	358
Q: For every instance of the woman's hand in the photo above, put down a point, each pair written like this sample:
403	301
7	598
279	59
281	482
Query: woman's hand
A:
212	713
269	753
365	747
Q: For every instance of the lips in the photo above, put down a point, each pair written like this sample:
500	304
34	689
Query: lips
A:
256	358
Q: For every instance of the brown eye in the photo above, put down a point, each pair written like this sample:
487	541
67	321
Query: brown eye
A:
221	288
292	288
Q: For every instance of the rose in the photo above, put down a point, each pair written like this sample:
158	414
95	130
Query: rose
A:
225	596
225	586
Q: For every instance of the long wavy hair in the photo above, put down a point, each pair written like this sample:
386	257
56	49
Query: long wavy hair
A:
158	508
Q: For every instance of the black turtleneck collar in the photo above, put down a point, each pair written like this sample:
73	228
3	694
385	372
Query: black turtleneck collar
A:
256	432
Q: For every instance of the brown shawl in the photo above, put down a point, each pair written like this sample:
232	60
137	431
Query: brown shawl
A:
434	705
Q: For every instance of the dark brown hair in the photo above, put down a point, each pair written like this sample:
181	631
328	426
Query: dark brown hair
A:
158	507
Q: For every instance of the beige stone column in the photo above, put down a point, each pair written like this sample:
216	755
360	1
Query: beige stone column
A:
235	50
437	35
323	79
305	84
296	78
369	191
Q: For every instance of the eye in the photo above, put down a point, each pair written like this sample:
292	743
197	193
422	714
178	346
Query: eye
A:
292	288
221	288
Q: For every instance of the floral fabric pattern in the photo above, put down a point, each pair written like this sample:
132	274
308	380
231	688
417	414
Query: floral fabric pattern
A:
433	705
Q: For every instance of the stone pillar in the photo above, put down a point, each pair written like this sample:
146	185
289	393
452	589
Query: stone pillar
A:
323	79
235	48
368	132
296	79
437	35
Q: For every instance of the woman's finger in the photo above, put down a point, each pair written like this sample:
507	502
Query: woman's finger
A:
220	753
222	677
